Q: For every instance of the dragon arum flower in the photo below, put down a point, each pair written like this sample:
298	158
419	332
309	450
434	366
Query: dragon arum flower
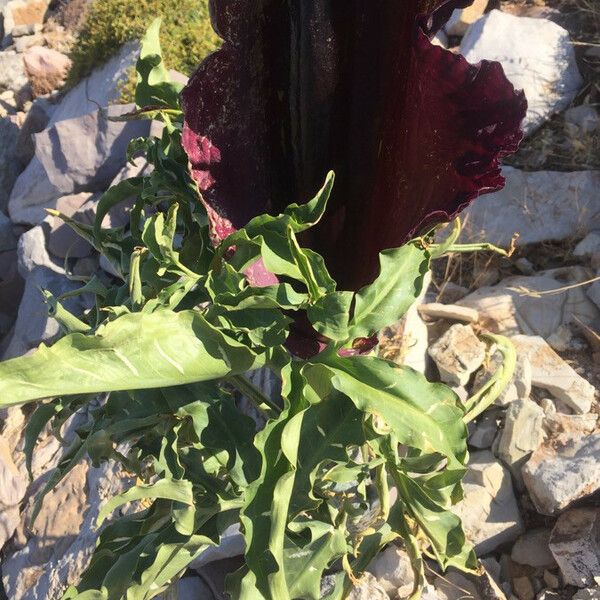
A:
414	132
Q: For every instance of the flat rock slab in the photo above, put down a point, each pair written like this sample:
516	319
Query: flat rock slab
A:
551	373
537	56
564	469
489	510
71	156
515	305
539	206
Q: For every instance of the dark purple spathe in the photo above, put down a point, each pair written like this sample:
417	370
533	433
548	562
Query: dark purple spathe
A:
413	131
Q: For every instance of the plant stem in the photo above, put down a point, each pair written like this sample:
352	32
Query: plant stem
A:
250	391
486	396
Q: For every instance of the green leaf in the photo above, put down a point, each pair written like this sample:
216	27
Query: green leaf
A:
154	83
167	489
421	414
115	195
306	563
136	351
442	527
35	424
398	285
330	315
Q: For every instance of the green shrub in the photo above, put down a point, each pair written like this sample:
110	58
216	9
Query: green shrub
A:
186	35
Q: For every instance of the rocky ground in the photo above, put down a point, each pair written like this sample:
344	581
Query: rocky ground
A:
532	492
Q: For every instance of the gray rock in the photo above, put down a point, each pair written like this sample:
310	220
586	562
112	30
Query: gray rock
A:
575	544
31	193
46	565
551	373
32	253
8	241
81	154
9	165
516	306
537	56
12	489
489	510
564	469
33	324
12	72
100	88
589	245
539	205
593	293
522	434
583	119
458	354
533	549
587	594
36	120
62	240
393	571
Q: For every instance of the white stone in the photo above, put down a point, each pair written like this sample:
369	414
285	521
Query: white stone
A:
452	312
551	373
533	549
461	18
593	293
393	571
100	89
12	72
537	56
458	354
538	205
489	510
589	245
564	469
575	544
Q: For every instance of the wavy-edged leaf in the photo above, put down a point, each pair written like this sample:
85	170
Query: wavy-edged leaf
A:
386	300
154	82
421	414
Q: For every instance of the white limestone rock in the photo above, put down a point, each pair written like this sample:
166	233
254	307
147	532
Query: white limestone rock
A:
551	373
537	56
538	205
564	469
489	510
458	354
